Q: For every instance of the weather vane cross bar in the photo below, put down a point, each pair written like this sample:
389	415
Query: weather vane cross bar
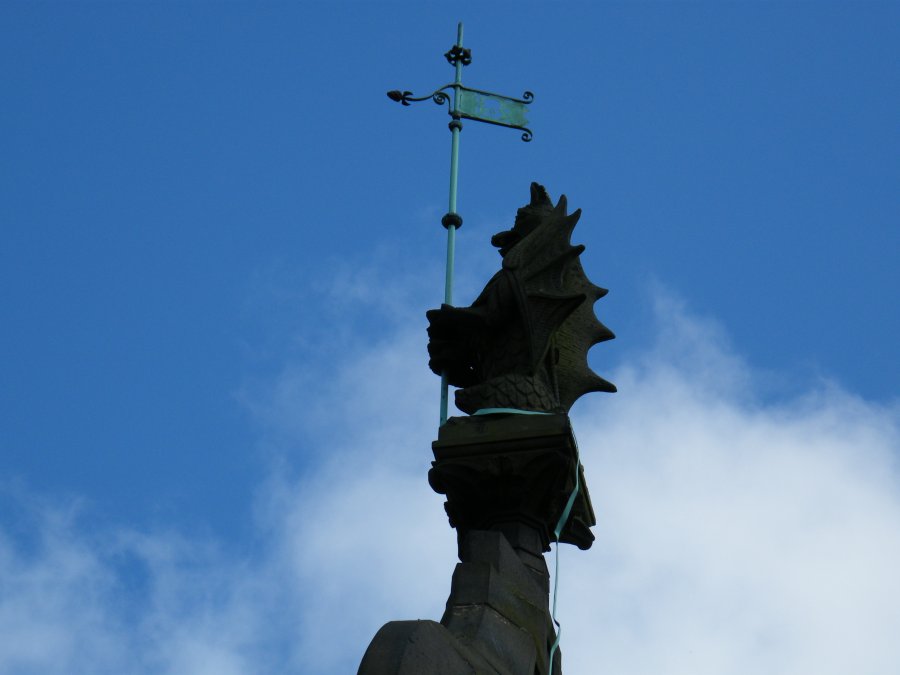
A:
503	111
471	104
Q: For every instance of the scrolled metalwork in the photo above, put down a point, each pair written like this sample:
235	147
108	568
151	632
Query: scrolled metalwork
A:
460	54
399	96
439	96
442	96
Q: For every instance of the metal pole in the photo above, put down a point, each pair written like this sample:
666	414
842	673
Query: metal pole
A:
455	128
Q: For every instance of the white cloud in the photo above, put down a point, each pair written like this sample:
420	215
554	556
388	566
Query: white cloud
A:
46	603
736	535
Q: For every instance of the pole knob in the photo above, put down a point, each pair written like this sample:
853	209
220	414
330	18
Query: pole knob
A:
453	219
460	54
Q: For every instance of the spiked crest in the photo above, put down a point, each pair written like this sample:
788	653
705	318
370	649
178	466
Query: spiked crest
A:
524	342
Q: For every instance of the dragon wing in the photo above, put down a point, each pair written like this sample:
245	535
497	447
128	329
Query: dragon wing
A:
559	303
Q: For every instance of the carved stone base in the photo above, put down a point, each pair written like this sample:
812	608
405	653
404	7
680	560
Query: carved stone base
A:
507	479
496	622
512	468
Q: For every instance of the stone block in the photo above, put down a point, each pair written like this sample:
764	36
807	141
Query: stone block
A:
421	648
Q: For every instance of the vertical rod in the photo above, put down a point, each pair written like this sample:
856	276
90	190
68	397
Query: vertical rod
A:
451	230
455	127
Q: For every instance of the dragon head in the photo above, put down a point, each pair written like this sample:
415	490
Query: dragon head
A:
528	218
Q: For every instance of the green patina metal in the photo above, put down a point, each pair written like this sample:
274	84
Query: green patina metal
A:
473	104
492	108
459	59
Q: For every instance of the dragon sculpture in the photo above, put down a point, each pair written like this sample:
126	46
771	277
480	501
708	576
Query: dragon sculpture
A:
523	343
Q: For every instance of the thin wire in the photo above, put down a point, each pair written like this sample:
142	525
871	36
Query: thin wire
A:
556	533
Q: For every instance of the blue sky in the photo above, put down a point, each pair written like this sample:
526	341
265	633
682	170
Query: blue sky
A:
219	241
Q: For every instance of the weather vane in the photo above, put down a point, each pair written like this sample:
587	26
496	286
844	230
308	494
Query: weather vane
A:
472	104
509	467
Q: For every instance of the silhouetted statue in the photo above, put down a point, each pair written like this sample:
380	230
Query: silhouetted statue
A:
514	483
523	343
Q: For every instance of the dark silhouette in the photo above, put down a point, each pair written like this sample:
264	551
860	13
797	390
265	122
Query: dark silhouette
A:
523	343
513	481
